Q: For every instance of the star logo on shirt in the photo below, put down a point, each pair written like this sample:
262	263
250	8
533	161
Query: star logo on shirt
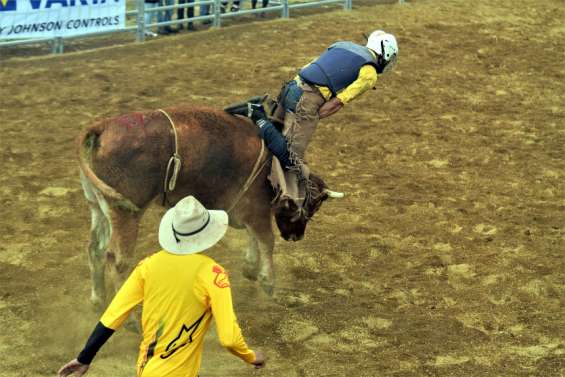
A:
183	338
221	278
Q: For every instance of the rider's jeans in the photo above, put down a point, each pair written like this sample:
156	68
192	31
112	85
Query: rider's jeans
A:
291	96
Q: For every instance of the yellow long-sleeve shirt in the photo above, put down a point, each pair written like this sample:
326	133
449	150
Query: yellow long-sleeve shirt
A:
367	79
180	295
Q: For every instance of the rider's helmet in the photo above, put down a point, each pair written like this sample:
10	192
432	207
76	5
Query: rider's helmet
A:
386	48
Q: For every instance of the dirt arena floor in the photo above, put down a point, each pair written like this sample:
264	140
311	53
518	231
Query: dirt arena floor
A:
445	258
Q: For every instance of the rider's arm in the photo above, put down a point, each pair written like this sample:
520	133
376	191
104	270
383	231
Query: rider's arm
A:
366	80
330	107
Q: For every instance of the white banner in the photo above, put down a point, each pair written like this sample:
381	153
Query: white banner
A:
59	18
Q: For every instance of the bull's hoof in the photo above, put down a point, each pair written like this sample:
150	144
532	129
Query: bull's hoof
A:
98	303
250	273
268	286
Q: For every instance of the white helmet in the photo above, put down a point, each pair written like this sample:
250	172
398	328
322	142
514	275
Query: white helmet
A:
384	44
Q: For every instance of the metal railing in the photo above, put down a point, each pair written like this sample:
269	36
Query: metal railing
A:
215	16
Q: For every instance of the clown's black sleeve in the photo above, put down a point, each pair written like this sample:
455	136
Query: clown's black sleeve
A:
99	336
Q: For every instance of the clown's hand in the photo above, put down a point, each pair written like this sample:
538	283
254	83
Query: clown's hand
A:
74	366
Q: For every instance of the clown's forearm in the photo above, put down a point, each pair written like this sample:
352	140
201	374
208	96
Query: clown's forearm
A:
99	336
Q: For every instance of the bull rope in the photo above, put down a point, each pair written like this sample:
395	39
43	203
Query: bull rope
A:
257	168
174	162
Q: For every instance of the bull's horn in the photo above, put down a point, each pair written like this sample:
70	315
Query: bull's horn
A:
334	194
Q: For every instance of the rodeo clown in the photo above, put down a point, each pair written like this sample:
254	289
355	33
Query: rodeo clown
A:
342	73
181	289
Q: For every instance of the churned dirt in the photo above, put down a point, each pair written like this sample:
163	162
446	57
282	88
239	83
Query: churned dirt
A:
445	258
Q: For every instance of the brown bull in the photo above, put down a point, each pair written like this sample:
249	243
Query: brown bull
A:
123	163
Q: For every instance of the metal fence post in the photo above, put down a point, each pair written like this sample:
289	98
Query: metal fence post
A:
217	13
285	12
140	20
57	46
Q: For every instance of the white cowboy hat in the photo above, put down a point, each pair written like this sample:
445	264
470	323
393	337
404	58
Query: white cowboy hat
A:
189	228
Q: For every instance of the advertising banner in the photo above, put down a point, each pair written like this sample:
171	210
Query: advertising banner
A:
59	18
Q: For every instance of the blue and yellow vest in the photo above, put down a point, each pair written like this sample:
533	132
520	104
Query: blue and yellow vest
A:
338	66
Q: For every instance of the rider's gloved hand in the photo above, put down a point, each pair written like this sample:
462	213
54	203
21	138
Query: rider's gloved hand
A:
257	114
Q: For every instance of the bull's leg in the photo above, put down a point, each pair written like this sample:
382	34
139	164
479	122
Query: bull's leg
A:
252	257
119	257
263	233
100	231
266	271
99	238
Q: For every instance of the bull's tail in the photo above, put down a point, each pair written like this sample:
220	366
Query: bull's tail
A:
88	142
102	199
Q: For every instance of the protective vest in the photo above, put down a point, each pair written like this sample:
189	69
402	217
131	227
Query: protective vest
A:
338	66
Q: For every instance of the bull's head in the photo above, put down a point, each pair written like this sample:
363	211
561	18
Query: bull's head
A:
292	220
